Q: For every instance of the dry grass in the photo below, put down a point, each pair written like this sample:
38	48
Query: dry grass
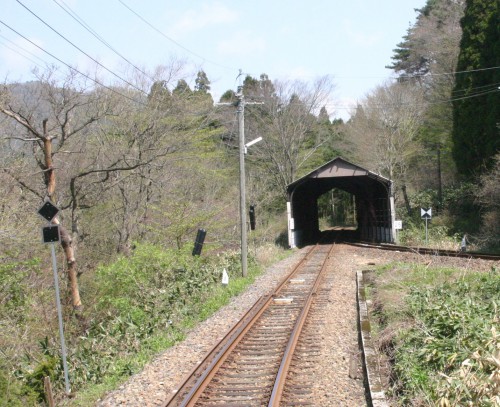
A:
269	254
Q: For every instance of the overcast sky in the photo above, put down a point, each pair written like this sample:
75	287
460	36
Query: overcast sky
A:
351	40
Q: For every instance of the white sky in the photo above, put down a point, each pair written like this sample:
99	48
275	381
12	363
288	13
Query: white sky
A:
351	40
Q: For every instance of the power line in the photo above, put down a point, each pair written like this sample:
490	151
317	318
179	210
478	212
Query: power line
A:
477	94
23	49
70	67
82	51
408	76
172	40
477	88
21	54
494	89
75	46
454	73
87	27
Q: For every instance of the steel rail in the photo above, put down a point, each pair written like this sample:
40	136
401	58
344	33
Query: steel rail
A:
280	380
219	353
426	250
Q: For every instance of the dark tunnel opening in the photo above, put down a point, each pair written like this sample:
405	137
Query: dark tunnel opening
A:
340	200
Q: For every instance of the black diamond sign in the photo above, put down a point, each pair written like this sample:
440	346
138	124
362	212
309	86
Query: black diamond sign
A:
50	234
48	211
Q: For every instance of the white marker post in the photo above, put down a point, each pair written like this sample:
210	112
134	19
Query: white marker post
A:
398	225
225	277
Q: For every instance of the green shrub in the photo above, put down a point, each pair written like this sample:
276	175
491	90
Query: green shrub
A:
135	307
17	386
458	214
438	235
12	391
448	353
34	380
14	276
144	302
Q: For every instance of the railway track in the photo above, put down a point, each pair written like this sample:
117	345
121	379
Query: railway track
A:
326	368
266	357
425	250
251	365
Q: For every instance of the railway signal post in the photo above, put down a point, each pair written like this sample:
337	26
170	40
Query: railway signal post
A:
51	235
426	214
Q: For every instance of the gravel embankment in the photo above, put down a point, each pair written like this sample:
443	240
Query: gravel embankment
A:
338	379
154	384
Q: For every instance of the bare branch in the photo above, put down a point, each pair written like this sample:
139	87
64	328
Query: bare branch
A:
22	121
23	184
21	139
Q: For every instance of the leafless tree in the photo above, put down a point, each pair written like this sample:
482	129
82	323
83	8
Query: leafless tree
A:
436	39
70	126
385	127
488	196
170	139
286	120
47	115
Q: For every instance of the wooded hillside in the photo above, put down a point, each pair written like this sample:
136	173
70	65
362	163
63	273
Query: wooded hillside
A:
151	162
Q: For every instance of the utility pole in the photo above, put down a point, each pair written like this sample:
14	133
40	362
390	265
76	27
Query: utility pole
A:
243	223
243	150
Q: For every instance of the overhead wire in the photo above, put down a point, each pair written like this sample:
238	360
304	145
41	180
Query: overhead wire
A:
454	73
71	67
171	39
95	34
13	49
438	102
87	27
457	95
477	89
494	89
82	51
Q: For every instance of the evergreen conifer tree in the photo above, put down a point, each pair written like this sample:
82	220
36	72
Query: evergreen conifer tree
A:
476	106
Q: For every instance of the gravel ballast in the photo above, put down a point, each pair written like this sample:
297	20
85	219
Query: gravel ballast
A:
338	379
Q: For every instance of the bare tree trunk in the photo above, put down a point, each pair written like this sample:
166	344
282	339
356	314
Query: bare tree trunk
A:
47	386
407	201
50	176
66	240
69	254
439	175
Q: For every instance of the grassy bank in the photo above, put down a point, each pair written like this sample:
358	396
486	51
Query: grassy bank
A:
135	308
438	331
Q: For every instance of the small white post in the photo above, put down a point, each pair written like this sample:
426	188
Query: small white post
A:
225	277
